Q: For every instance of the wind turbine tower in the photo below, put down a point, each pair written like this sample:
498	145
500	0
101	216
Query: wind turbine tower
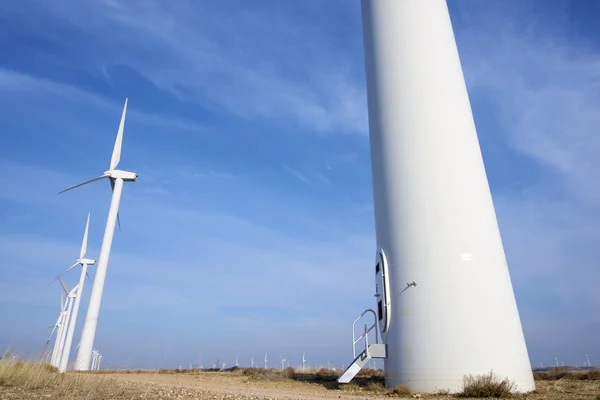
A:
265	360
116	178
303	360
84	262
446	306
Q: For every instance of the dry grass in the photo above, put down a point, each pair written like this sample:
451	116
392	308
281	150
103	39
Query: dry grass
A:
566	374
400	390
32	377
25	380
487	385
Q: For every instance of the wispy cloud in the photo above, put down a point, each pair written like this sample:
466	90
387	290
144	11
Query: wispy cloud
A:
195	55
545	87
17	83
297	174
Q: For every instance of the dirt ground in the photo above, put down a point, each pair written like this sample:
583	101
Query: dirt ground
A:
220	385
229	386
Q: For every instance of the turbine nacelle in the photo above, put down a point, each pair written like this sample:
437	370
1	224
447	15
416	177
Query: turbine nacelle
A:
119	174
86	261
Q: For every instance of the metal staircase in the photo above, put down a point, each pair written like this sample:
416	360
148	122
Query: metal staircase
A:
375	350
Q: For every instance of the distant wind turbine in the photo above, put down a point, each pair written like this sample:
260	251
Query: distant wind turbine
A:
71	294
265	360
58	327
282	362
116	178
84	262
303	360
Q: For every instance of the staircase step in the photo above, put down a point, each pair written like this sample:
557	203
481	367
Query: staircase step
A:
374	351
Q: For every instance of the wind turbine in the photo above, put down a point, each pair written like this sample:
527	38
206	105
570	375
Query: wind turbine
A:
84	262
303	360
59	324
71	294
252	363
282	362
265	360
116	178
46	355
94	359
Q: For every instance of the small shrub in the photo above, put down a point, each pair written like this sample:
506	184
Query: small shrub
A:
370	373
325	374
289	373
400	390
351	387
486	385
255	372
376	387
556	374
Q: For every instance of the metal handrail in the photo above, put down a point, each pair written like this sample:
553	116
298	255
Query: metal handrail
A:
367	330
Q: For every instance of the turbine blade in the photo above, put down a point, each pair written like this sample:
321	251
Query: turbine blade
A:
85	238
116	155
112	188
84	183
62	304
63	286
68	269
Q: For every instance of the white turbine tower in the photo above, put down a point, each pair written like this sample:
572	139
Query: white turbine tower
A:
434	216
84	262
303	360
252	363
265	360
116	178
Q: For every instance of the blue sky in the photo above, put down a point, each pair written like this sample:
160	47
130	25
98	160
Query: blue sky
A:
250	228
